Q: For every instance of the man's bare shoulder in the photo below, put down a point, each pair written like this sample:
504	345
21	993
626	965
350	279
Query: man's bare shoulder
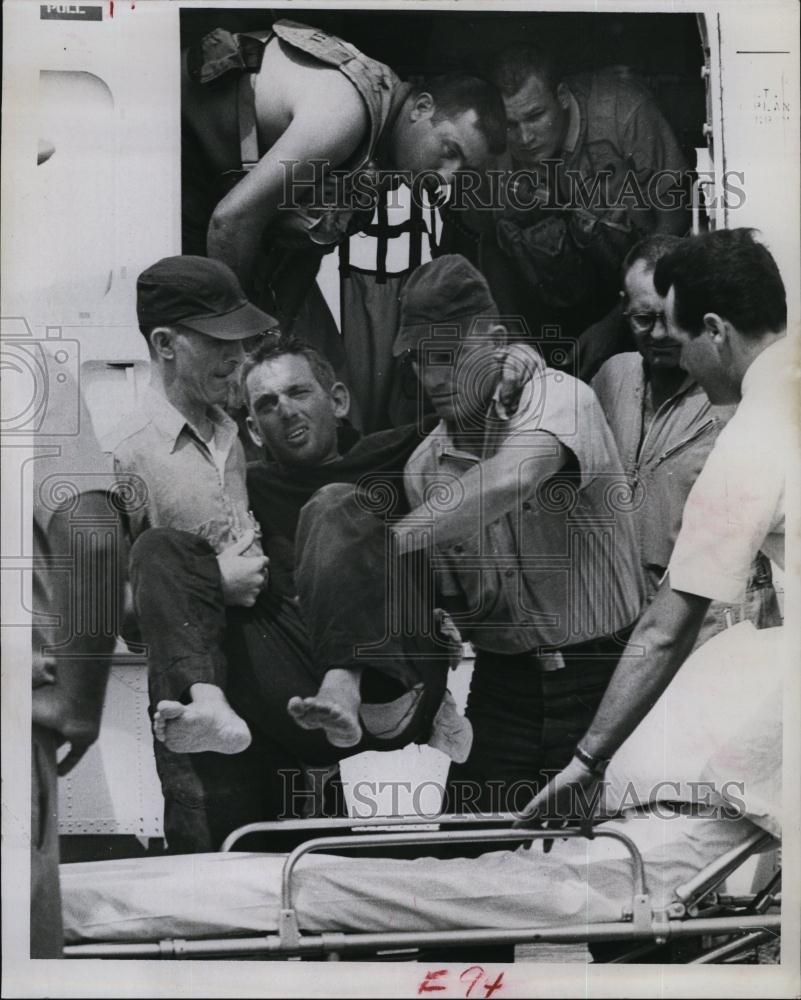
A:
292	82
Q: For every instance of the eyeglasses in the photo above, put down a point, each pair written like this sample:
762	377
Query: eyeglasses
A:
644	322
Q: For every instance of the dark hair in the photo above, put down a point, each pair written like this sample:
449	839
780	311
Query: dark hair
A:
729	273
511	67
276	345
455	93
650	251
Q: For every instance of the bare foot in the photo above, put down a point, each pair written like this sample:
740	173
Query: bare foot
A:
200	726
340	724
335	707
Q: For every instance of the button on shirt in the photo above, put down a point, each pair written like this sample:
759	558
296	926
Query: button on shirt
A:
182	482
736	506
560	568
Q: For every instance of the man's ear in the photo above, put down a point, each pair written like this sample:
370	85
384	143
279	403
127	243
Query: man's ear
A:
422	107
718	329
161	342
499	335
253	430
563	96
340	396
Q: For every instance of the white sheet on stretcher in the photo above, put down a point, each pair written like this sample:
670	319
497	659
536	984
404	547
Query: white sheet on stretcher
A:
720	721
211	895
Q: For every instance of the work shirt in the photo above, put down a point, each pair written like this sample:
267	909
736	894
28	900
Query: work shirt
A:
662	462
560	567
175	475
736	506
615	125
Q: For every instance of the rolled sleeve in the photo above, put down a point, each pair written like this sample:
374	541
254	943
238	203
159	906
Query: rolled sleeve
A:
736	502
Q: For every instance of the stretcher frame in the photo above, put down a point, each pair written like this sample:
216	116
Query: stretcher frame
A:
697	911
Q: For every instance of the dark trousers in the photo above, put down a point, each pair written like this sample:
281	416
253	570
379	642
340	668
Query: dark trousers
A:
46	928
526	722
352	607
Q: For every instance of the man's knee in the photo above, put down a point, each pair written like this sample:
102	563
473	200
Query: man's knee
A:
338	514
328	501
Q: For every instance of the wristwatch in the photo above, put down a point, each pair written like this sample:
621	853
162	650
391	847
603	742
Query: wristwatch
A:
597	765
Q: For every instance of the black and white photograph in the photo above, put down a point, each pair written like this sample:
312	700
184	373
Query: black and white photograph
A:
401	481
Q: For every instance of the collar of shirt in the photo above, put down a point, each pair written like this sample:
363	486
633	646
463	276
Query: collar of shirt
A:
686	386
762	372
170	422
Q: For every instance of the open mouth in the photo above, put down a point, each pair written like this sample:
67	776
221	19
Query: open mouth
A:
297	435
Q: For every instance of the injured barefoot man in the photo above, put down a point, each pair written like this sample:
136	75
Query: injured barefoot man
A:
252	679
226	650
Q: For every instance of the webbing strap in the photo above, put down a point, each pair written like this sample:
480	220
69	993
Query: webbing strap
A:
248	135
383	228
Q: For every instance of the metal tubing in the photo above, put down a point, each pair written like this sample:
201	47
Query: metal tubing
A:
700	884
732	947
450	837
347	823
316	944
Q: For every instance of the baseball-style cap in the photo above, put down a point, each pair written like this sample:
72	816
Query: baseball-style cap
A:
444	291
200	293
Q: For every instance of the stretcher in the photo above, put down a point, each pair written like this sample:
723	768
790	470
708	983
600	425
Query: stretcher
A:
726	927
644	881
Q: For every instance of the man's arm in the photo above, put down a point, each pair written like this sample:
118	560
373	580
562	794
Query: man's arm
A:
327	127
70	701
662	640
655	152
486	492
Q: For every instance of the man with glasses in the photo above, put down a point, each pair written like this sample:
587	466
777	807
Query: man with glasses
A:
726	307
665	426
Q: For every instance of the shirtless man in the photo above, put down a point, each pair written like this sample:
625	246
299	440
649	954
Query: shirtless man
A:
254	103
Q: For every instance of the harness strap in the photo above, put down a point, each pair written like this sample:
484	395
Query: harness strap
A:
383	235
382	231
416	226
248	135
344	261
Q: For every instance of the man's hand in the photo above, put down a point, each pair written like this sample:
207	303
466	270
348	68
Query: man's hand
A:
574	794
79	739
447	631
51	711
242	576
518	363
